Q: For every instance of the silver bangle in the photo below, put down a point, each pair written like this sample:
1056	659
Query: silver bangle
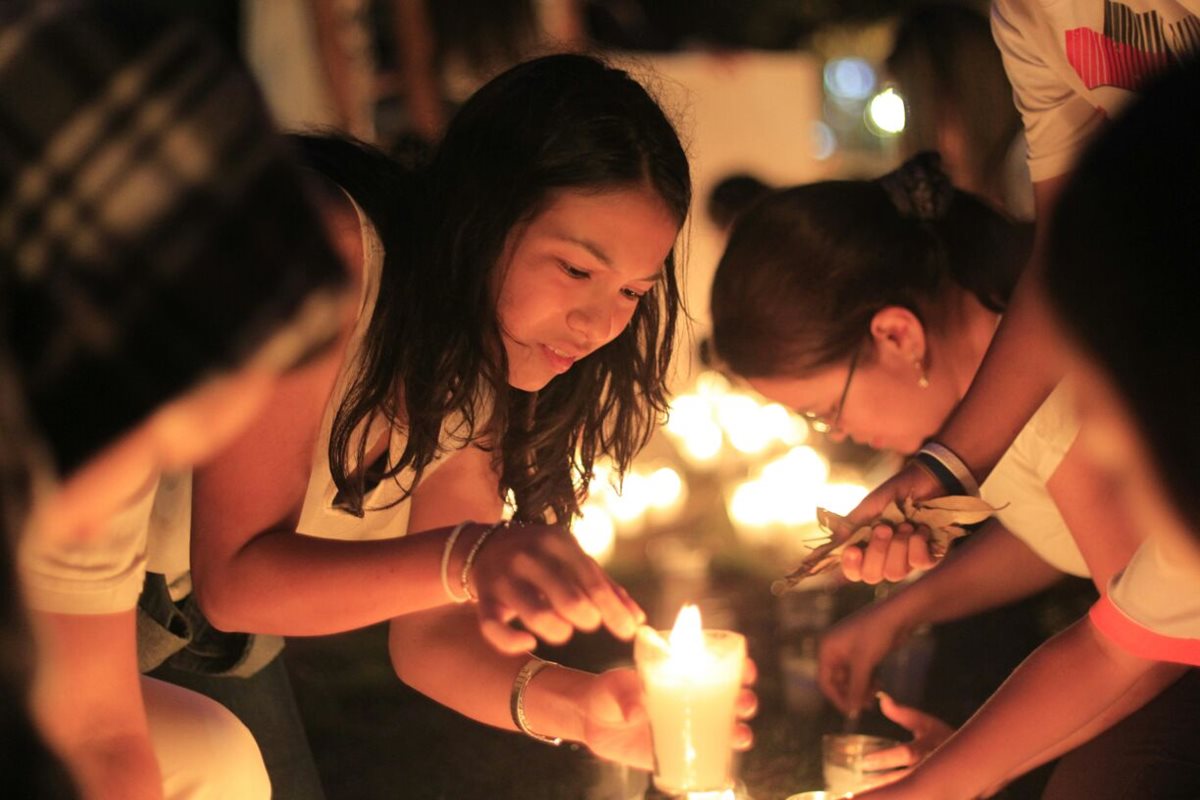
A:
447	550
950	460
474	551
516	702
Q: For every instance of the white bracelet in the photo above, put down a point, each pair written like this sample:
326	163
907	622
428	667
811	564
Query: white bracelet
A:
950	460
474	551
447	550
516	702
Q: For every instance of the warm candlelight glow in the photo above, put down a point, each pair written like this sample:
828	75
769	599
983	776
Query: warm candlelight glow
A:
691	679
687	652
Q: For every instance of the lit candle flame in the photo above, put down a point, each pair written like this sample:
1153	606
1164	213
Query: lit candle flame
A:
688	653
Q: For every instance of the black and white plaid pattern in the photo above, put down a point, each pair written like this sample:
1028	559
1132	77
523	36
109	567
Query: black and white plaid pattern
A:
152	227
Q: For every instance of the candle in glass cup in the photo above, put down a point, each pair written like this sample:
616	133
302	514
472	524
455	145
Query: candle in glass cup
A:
691	681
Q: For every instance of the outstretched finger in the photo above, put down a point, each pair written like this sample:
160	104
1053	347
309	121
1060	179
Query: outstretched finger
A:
617	616
564	595
899	756
876	553
520	600
494	627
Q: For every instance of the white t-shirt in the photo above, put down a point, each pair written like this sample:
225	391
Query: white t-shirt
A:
1019	483
1074	63
1152	608
104	574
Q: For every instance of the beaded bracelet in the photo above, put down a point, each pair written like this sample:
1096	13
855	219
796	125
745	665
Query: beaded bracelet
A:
516	700
447	550
474	551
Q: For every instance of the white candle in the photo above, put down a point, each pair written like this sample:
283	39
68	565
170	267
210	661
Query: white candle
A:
691	681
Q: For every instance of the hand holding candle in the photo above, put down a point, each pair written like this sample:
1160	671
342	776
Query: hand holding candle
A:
691	683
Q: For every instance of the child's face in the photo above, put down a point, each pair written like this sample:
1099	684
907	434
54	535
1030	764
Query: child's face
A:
572	276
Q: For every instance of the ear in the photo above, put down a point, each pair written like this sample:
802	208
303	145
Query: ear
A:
899	336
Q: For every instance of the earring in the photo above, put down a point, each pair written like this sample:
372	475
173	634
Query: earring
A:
922	376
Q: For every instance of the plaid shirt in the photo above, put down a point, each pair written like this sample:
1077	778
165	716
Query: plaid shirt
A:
153	230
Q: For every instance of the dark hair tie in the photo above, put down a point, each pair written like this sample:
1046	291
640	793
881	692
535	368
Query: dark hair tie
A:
919	188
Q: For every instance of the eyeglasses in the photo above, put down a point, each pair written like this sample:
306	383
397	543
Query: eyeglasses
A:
818	422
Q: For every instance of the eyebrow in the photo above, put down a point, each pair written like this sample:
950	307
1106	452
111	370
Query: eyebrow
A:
603	257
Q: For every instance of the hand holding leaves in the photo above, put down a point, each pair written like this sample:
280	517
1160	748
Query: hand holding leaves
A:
944	517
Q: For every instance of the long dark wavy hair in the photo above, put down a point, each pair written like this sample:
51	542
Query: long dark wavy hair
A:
806	268
433	348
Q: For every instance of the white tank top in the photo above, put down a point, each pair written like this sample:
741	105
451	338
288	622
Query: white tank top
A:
386	516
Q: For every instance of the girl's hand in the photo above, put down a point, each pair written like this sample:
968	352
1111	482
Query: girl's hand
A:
540	576
928	734
889	555
902	555
616	726
850	651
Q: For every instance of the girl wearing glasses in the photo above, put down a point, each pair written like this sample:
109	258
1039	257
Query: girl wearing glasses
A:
1141	430
869	305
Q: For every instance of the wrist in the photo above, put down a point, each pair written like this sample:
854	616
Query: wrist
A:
947	468
554	702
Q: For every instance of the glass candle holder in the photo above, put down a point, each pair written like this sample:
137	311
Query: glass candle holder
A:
691	681
842	761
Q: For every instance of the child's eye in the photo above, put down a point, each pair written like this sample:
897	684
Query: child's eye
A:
574	272
633	294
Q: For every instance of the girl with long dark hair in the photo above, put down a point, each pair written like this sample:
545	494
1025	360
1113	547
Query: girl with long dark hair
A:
519	301
869	305
1121	279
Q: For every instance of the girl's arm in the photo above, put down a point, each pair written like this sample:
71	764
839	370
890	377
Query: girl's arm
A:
1103	532
443	654
253	571
990	569
88	702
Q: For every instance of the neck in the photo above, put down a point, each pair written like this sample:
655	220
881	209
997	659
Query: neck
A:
972	326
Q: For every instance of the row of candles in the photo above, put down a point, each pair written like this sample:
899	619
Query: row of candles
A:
772	480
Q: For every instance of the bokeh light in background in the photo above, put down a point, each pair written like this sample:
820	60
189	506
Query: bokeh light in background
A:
756	454
849	78
823	141
885	115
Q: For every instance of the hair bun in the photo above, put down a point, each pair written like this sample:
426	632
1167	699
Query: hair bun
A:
919	188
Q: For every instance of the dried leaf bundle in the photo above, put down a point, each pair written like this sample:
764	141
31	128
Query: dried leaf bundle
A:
943	516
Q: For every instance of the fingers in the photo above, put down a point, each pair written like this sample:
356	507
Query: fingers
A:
539	575
749	672
617	610
919	556
502	637
896	561
747	704
899	756
852	561
876	553
566	597
858	689
743	737
904	716
891	554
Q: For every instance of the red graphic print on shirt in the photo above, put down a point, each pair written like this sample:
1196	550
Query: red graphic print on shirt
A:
1132	48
